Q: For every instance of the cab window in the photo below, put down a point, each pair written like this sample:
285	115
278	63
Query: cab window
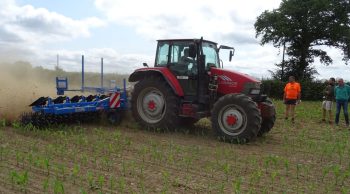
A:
211	55
180	62
175	53
163	54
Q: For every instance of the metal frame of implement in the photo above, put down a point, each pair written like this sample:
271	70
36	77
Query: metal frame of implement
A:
116	99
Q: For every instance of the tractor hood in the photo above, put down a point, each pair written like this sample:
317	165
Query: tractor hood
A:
234	82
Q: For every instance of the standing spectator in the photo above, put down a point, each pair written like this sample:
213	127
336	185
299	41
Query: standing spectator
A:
327	104
291	96
342	94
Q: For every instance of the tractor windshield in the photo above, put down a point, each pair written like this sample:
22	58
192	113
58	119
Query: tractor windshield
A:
211	55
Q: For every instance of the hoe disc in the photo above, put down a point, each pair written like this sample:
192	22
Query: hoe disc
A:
44	120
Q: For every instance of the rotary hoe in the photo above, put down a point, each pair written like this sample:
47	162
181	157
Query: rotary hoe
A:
110	101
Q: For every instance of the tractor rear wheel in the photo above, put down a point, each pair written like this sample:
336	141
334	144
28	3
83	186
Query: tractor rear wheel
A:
154	104
267	123
236	118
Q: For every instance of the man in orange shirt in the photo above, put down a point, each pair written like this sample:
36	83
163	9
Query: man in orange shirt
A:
291	96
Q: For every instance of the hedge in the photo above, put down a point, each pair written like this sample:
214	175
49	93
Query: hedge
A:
310	90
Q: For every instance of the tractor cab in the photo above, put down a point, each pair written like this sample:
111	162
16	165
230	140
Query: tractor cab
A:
190	60
181	55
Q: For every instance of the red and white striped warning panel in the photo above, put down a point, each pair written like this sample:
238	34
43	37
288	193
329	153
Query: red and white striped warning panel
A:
114	100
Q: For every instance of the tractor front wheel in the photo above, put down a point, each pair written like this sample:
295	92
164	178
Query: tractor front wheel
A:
154	104
267	123
236	118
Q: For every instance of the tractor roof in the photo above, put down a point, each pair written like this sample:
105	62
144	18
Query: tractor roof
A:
180	40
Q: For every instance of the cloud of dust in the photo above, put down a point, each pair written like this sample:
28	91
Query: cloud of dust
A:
19	87
21	84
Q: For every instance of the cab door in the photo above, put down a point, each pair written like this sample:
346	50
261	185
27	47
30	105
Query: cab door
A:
174	55
184	67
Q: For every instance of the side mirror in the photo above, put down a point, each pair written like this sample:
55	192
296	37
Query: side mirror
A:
232	50
145	64
192	52
231	55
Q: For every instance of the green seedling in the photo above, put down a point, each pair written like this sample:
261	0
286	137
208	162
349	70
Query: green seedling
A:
340	149
37	161
299	166
82	191
307	171
345	190
142	186
3	122
91	181
337	172
84	159
30	158
16	125
101	181
19	157
188	162
58	187
237	185
121	184
111	148
127	141
46	185
112	183
227	168
62	170
124	168
144	151
2	153
75	172
107	162
266	164
20	179
165	176
187	179
256	176
274	174
116	136
325	171
346	176
46	162
286	166
222	188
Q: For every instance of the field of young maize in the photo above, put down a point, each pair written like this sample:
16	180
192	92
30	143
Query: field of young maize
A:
305	157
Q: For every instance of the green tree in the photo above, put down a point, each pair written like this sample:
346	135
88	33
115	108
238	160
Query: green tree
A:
304	26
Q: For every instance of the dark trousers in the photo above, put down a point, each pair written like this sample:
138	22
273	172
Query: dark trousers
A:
344	104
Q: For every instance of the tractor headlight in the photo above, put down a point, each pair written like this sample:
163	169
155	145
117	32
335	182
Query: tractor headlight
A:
255	91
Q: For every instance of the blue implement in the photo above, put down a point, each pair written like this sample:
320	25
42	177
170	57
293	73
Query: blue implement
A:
111	101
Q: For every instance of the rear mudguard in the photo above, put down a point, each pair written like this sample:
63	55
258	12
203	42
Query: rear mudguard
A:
164	72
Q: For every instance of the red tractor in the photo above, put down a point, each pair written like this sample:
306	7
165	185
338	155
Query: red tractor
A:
187	83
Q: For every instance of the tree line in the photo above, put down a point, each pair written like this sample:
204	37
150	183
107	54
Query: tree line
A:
303	29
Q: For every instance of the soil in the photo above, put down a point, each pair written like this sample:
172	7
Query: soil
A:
182	161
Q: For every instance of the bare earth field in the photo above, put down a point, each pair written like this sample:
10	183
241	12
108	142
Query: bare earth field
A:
305	157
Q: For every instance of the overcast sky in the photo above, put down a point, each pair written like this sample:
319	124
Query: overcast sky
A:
124	33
